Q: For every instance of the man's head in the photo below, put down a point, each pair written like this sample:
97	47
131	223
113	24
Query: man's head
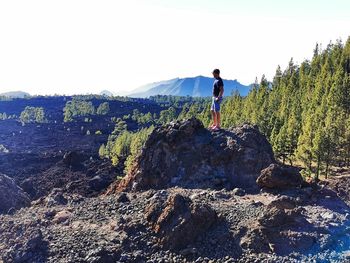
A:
216	73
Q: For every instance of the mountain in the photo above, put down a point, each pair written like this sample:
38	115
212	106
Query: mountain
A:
15	94
106	93
199	86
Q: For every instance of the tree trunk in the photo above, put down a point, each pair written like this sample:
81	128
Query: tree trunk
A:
318	169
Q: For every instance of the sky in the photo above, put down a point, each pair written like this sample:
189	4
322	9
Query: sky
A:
86	46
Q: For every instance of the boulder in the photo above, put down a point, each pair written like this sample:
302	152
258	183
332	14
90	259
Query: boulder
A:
123	198
56	197
255	240
274	231
275	217
62	216
280	177
238	192
185	154
102	255
179	221
11	195
72	159
98	183
283	202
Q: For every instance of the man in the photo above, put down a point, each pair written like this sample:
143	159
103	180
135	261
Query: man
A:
218	91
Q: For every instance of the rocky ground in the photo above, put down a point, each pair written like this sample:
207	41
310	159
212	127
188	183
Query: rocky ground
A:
33	154
303	225
272	217
42	157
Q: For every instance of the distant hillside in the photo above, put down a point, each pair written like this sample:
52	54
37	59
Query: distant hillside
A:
106	93
199	86
15	94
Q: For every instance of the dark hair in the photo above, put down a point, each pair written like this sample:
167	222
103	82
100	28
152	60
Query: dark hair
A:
216	71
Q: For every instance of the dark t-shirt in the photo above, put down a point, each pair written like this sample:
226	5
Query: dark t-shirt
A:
218	83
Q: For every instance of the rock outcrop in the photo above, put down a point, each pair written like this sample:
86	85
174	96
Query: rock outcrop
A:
12	197
179	221
185	154
72	158
279	177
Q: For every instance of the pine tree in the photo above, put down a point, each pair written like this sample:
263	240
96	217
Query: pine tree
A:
305	144
103	109
102	151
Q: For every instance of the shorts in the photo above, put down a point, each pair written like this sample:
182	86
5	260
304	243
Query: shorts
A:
215	105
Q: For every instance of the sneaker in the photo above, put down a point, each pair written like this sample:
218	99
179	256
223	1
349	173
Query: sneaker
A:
215	128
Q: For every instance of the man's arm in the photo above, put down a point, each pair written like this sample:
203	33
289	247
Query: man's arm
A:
221	91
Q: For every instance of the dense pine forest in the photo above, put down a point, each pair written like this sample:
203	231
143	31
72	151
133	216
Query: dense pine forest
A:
304	112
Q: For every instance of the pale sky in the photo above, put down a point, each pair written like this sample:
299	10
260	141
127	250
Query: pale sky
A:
85	46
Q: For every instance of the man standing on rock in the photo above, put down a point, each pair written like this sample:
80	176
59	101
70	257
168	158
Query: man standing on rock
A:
218	91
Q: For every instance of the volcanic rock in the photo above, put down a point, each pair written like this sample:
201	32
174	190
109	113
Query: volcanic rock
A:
72	158
56	197
283	202
275	217
123	197
28	247
62	216
255	240
180	221
11	195
185	154
279	177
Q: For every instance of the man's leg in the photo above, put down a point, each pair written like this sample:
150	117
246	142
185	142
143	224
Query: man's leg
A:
218	119
213	117
212	109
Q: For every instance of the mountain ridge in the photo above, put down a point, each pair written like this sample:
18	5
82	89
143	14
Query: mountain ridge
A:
15	94
106	93
199	86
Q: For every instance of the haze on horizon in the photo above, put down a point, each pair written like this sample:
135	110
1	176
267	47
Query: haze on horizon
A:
85	46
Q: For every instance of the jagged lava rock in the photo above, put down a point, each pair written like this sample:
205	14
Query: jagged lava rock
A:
56	197
11	195
185	154
72	158
179	221
279	177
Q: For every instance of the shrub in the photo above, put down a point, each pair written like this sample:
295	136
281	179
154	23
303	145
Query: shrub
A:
33	115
